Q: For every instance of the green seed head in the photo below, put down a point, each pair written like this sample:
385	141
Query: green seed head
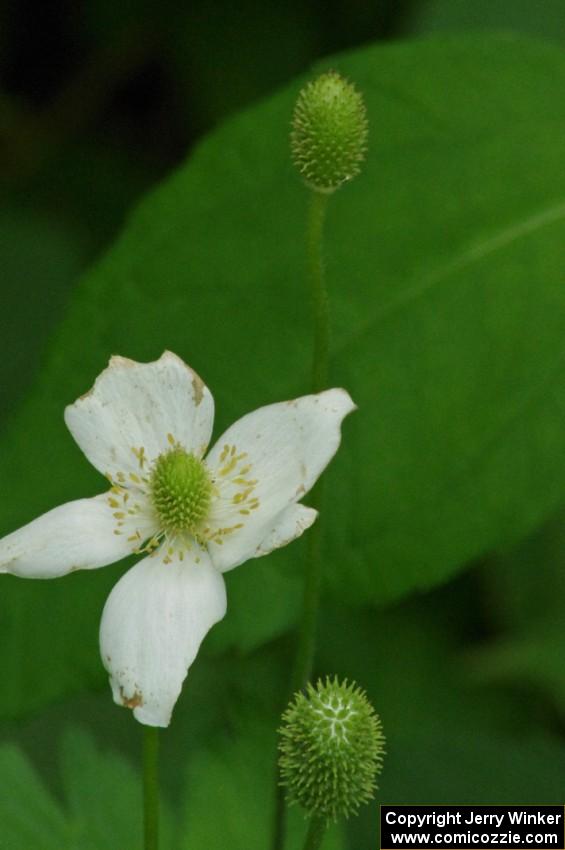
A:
331	749
181	491
329	132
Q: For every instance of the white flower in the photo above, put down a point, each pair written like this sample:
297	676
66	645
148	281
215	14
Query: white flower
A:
146	427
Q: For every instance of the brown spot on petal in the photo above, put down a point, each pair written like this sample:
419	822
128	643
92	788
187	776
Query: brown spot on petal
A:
131	702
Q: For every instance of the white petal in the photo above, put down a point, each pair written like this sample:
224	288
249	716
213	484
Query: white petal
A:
151	629
280	450
75	536
134	407
289	525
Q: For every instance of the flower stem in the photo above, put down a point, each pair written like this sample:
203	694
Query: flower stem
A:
304	659
316	832
151	787
306	646
319	295
320	369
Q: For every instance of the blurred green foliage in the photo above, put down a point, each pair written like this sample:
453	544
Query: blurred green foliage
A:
544	18
102	799
445	266
41	257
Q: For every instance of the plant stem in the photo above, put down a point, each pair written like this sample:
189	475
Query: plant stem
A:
316	832
306	646
151	787
304	659
319	295
320	369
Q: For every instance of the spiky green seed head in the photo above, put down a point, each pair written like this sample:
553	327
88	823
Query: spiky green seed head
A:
331	749
329	132
181	491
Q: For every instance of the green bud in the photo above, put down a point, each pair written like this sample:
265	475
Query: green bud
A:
331	749
329	132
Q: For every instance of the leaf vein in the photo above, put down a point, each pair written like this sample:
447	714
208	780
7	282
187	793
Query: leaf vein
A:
474	254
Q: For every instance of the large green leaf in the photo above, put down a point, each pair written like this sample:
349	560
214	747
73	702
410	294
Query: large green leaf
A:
40	259
544	19
444	263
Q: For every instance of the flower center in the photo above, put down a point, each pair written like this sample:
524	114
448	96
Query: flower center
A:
181	491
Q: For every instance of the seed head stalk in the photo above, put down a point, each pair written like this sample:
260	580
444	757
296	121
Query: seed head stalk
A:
150	788
328	142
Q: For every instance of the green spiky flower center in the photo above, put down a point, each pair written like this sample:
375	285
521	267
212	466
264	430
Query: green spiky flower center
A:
331	749
181	491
